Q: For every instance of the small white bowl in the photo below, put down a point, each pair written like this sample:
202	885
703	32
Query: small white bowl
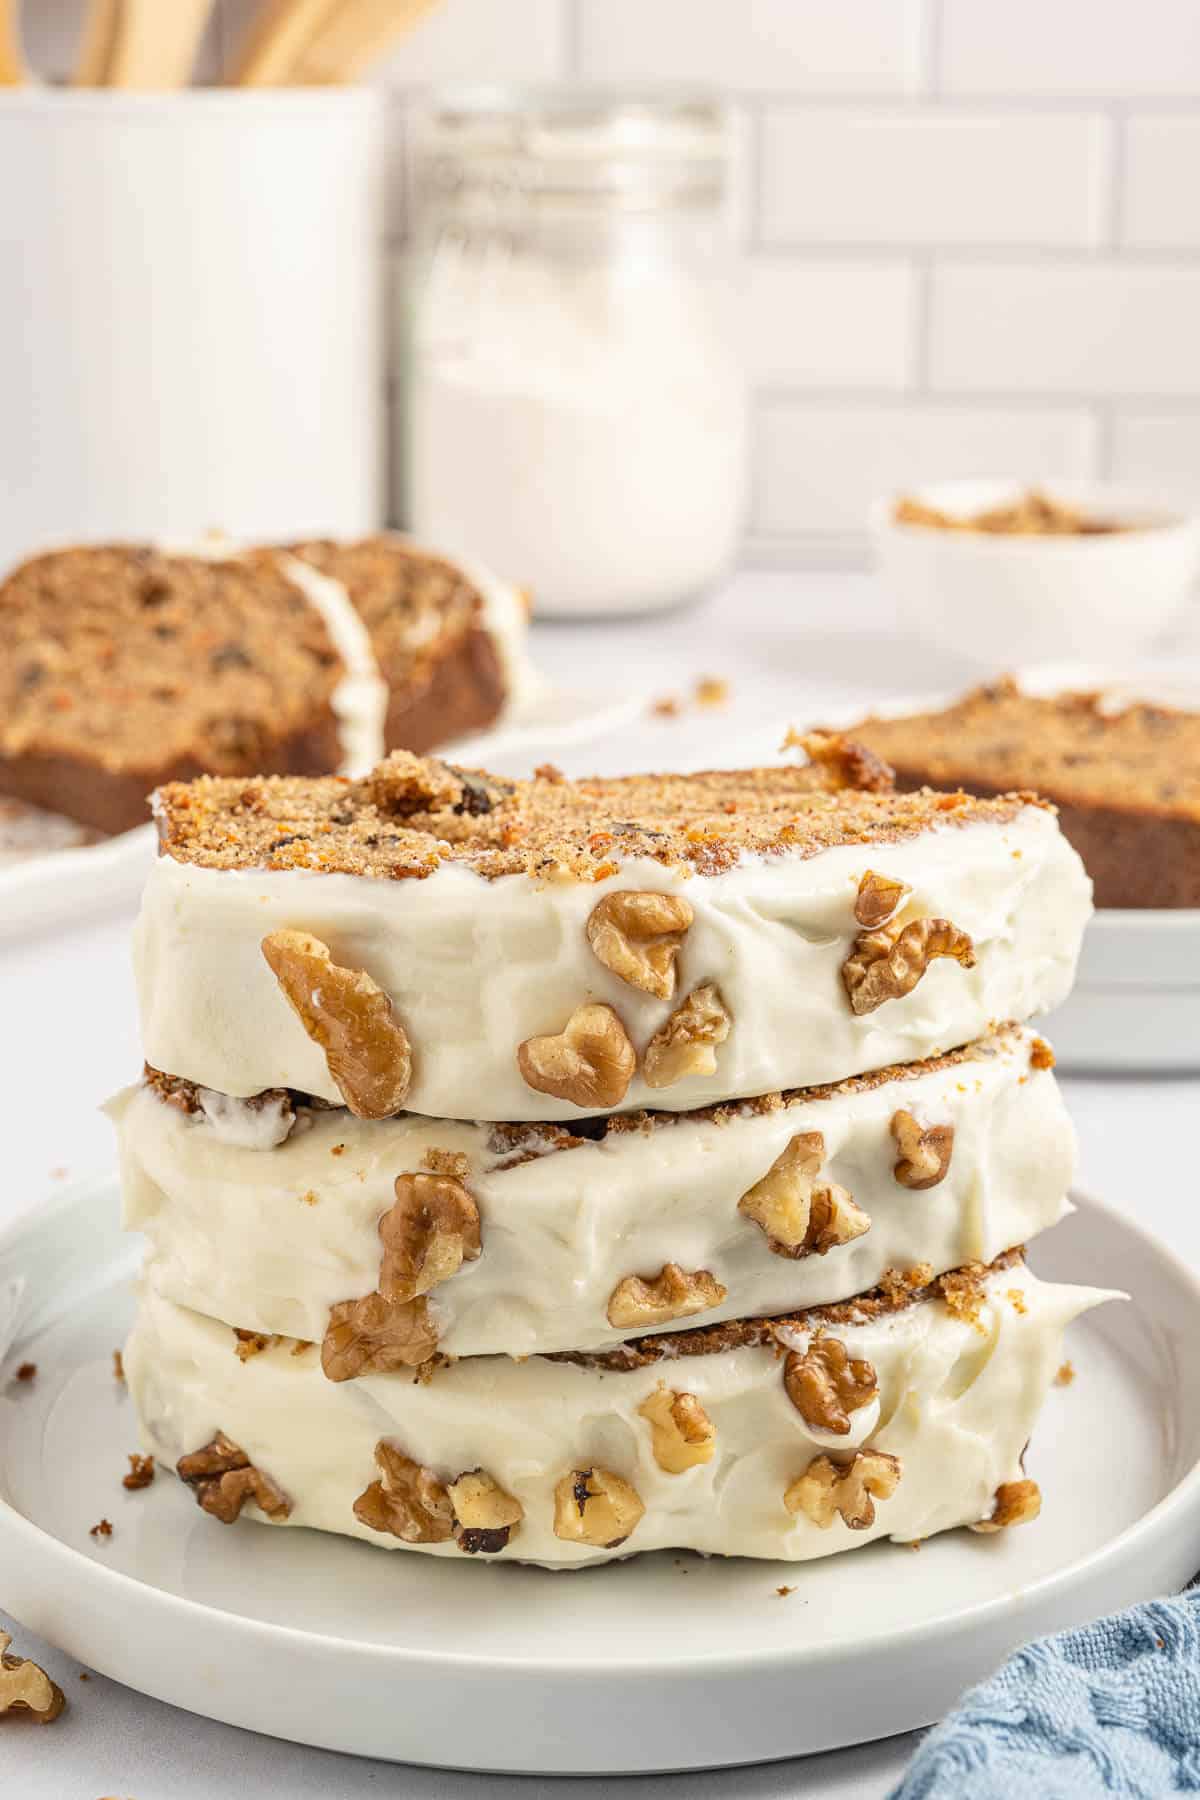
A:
999	599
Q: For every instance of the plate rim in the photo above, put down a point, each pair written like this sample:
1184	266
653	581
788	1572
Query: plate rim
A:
82	1568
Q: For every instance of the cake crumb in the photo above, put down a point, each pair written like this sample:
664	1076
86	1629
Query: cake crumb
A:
914	1544
1017	1296
338	1150
783	1592
26	1371
59	1174
711	690
141	1473
118	1367
667	706
102	1530
1065	1375
84	1676
309	1199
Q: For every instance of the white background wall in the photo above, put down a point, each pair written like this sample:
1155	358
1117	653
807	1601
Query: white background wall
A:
972	227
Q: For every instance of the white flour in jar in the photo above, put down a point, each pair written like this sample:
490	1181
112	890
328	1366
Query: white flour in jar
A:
580	427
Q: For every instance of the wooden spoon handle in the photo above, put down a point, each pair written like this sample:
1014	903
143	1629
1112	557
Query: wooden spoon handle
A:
154	45
13	72
352	36
277	33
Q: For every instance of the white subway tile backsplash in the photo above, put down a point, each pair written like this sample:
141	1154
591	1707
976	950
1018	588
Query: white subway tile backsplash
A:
801	46
1158	206
828	324
821	465
1158	451
1065	328
934	175
1068	47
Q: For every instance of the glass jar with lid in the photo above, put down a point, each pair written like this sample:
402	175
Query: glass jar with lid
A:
573	411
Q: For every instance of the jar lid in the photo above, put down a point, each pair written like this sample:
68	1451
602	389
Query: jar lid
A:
623	148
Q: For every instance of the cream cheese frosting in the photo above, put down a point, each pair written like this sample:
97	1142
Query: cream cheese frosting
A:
475	967
272	1237
958	1396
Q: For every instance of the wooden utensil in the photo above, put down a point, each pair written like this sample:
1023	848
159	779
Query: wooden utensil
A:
351	36
277	34
13	72
154	43
95	45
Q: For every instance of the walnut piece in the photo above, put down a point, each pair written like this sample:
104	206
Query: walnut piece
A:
925	1151
427	1235
223	1479
372	1336
672	1294
141	1473
590	1062
408	1501
485	1516
877	899
826	1384
636	935
686	1044
24	1687
887	964
851	1489
594	1506
350	1017
682	1434
799	1218
1017	1503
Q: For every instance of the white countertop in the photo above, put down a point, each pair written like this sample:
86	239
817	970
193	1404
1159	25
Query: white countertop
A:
792	646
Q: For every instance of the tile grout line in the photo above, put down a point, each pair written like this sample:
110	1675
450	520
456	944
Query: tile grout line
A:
1118	161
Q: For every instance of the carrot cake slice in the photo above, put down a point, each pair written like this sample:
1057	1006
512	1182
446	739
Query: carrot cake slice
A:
901	1413
388	1240
437	940
128	666
1124	776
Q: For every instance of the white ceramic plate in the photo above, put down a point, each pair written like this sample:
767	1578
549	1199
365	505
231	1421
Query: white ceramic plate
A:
658	1663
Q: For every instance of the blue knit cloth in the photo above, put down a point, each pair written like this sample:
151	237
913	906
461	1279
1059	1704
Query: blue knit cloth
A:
1112	1708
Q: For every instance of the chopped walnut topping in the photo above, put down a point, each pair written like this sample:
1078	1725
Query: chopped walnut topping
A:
250	1343
672	1294
851	1489
408	1501
485	1516
594	1506
799	1218
887	964
447	1162
350	1017
1041	1056
925	1151
141	1473
1016	1503
591	1062
223	1479
427	1235
682	1434
686	1044
102	1530
877	899
118	1367
826	1384
843	762
26	1372
24	1687
636	935
373	1335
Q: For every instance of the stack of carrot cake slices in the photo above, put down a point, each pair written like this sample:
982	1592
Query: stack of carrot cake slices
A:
557	1170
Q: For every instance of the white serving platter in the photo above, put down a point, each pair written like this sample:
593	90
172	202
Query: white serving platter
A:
657	1663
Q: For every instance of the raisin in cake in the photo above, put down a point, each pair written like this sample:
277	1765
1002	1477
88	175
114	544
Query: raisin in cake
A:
128	666
554	950
1125	778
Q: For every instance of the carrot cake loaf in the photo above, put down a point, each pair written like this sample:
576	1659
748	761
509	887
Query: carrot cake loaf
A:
1124	776
387	1241
902	1414
437	940
128	666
